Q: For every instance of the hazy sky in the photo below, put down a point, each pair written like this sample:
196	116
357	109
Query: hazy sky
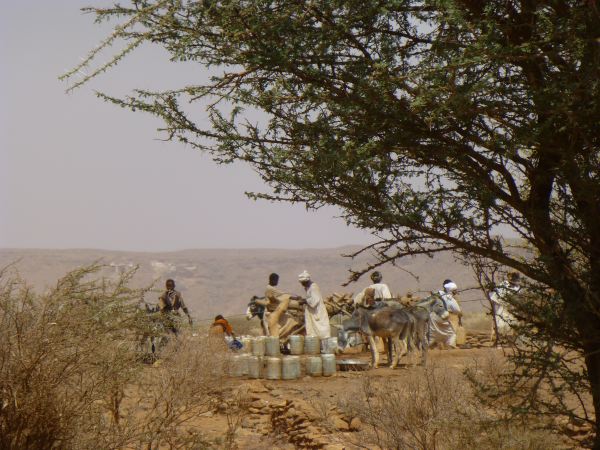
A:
77	172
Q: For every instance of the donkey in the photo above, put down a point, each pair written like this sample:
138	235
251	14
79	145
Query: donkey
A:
421	312
385	322
254	309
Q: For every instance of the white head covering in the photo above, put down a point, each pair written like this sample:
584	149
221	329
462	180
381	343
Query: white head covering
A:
304	276
450	286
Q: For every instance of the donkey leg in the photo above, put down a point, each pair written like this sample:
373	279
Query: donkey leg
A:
390	351
396	353
401	348
374	353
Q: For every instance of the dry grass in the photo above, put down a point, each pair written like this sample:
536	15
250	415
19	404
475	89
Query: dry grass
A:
477	321
71	375
435	408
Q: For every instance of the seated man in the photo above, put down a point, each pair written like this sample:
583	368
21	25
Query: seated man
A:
277	321
221	327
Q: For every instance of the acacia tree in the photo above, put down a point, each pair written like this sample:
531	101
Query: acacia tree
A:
434	124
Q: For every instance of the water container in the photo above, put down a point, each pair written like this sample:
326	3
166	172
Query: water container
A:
328	364
238	366
314	366
255	367
272	346
247	342
329	345
303	359
273	368
258	346
290	367
296	344
311	345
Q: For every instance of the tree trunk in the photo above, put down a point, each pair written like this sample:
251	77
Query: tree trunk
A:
592	362
582	309
592	346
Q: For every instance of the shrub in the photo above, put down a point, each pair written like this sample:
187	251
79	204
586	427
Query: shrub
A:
71	375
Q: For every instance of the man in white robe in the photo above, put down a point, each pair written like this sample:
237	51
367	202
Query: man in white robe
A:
504	319
380	291
441	331
316	319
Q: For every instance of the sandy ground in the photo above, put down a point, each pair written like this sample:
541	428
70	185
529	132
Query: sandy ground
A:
306	413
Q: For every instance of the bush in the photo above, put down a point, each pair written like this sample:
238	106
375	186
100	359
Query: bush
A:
71	375
435	408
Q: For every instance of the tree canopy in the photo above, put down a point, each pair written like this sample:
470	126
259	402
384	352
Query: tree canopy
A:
437	125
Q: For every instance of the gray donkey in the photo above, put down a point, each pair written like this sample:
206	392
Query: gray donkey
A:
421	312
406	327
385	322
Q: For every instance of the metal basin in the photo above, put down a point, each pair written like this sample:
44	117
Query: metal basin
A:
351	365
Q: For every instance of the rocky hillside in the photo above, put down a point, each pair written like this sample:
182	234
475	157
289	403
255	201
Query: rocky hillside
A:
222	281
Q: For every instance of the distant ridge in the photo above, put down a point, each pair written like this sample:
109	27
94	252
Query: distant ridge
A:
221	281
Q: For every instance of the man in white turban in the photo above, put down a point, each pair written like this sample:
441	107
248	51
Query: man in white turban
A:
316	320
443	331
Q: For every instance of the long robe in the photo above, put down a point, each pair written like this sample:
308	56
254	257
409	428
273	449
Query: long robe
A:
316	319
441	330
504	319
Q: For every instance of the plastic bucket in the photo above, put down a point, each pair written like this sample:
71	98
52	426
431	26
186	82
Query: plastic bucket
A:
290	367
312	345
296	344
255	367
329	345
272	346
272	368
238	366
329	363
314	366
258	346
247	344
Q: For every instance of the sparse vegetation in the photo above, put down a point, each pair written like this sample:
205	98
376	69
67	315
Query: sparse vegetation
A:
435	125
71	375
435	408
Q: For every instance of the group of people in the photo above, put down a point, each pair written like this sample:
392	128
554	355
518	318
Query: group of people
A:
276	320
442	331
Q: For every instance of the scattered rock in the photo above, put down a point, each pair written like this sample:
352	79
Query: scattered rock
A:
355	424
340	424
278	403
247	423
257	387
259	403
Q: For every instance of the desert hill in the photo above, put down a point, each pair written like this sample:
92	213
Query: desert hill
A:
217	281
